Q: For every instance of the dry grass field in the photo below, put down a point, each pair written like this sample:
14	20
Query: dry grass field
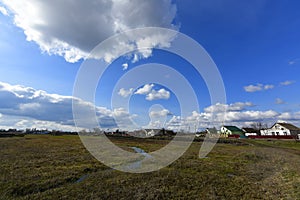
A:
59	167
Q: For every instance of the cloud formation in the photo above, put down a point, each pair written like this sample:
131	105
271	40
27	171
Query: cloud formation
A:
125	66
152	94
239	116
73	28
158	117
146	89
30	104
22	123
25	107
159	113
125	93
258	87
160	94
285	83
238	106
3	11
279	101
295	61
262	87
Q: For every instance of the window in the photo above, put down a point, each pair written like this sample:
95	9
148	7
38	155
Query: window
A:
285	133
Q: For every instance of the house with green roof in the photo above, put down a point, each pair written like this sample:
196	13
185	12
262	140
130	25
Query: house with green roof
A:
231	130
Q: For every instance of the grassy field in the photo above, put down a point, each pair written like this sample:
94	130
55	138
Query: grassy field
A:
49	167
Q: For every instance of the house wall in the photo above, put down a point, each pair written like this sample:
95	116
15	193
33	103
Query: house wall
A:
225	131
264	132
276	130
295	132
248	134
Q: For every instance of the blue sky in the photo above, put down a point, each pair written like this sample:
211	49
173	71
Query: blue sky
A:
255	45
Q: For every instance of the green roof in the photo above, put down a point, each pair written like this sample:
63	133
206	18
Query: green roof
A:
233	128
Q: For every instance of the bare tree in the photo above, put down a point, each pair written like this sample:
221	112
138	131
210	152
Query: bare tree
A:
258	125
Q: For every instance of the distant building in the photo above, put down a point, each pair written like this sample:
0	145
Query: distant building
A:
138	133
212	132
281	129
250	132
152	132
231	130
201	134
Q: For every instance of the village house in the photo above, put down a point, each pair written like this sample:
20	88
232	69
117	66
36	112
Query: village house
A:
281	129
231	130
212	132
250	132
154	132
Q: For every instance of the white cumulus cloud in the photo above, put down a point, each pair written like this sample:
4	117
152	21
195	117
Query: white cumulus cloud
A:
152	94
253	88
73	28
290	116
146	89
294	61
26	103
160	94
25	107
214	115
159	113
123	118
158	116
268	87
285	83
125	66
125	93
258	87
238	106
279	101
3	11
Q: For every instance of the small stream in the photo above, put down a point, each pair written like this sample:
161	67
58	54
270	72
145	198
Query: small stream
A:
131	166
82	178
137	164
141	151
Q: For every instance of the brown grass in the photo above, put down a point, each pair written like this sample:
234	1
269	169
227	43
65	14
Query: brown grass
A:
47	167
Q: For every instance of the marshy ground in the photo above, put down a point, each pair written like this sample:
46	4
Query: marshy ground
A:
59	167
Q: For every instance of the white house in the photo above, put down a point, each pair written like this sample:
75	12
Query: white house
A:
281	129
231	130
250	132
153	132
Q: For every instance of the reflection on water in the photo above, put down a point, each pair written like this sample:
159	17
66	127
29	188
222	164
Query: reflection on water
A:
131	166
137	164
82	178
141	151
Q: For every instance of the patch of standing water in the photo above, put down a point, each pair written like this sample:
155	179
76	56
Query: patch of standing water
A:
137	164
141	151
82	178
